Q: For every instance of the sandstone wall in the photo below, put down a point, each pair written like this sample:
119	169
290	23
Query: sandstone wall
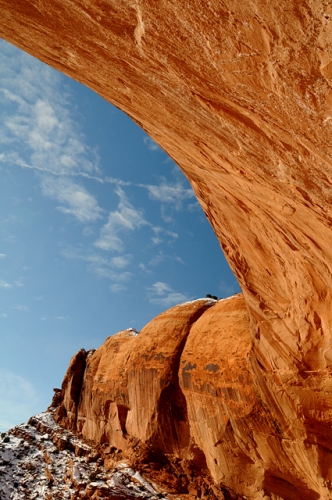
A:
239	94
188	387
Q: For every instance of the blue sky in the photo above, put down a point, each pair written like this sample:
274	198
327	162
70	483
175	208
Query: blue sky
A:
100	231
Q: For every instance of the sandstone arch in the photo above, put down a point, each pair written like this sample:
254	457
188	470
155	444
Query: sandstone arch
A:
239	94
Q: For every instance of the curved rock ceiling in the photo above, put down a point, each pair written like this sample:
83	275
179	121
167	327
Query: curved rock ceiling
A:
239	94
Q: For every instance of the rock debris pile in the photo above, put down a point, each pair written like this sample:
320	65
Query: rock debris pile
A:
40	460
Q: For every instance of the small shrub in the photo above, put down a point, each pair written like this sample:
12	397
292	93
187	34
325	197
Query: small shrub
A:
93	476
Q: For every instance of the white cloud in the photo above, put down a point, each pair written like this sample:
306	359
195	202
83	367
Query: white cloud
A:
88	231
38	120
80	203
161	257
20	307
121	262
161	293
150	144
39	132
158	231
165	192
194	207
4	284
17	399
4	315
61	318
160	288
144	269
157	259
105	272
102	266
165	216
125	218
2	255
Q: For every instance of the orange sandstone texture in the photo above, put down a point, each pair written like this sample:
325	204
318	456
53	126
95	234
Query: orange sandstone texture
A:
130	385
240	95
189	391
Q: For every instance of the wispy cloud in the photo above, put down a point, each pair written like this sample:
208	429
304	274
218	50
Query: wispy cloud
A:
39	131
79	203
4	284
168	193
157	259
121	261
18	283
2	255
194	207
13	158
150	144
39	119
143	269
17	399
161	257
125	218
112	268
160	232
20	307
161	293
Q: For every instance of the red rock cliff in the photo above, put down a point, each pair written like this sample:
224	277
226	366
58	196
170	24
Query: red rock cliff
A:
239	94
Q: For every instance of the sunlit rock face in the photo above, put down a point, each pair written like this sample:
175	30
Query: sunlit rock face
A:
190	388
240	95
131	388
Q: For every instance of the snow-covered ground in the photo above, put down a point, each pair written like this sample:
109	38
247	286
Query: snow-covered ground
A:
40	460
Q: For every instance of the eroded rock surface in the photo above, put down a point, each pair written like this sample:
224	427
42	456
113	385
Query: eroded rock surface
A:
186	397
240	95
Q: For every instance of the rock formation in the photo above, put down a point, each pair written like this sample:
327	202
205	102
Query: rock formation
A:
189	388
240	95
44	461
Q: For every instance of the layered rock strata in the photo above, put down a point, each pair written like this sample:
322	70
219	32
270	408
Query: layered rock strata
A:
188	389
239	94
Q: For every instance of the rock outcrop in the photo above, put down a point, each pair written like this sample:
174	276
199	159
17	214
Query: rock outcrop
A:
40	460
240	95
188	390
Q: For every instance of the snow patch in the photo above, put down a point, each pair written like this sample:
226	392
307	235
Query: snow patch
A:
133	331
32	467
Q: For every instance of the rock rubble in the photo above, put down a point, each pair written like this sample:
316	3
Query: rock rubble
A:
40	460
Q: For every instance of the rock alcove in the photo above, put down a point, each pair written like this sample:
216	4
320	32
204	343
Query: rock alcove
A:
239	95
